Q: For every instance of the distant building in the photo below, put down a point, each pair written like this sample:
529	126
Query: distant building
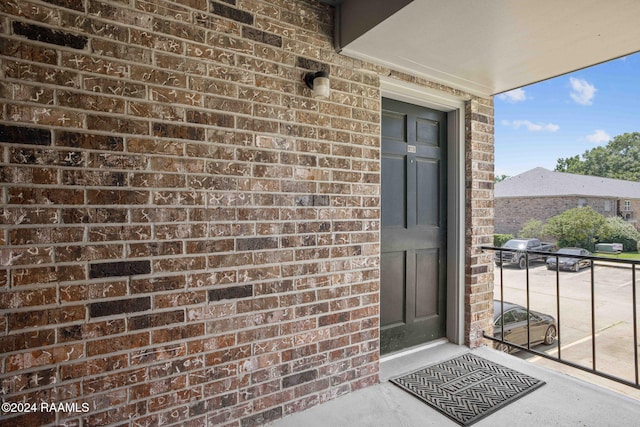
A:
540	194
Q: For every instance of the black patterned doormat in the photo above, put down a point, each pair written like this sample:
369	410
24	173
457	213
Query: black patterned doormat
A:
467	388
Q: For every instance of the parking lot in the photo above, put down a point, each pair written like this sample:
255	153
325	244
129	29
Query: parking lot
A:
613	308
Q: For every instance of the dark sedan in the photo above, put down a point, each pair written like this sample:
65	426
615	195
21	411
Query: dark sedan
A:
542	326
568	262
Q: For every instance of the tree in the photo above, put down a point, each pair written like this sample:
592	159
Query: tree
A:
619	159
500	178
569	165
617	230
532	229
576	227
501	239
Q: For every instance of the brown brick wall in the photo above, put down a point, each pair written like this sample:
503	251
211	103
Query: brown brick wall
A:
512	213
633	213
479	177
187	236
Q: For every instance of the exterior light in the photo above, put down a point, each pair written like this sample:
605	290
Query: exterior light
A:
319	83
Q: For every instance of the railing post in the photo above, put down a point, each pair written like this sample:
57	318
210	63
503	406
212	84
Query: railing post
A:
526	257
501	298
593	316
635	321
558	306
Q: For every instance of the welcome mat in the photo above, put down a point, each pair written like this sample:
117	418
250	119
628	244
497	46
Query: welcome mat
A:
467	388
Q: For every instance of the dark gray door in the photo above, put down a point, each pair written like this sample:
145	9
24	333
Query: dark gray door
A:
413	264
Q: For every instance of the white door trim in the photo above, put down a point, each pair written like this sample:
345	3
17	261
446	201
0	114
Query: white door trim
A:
455	107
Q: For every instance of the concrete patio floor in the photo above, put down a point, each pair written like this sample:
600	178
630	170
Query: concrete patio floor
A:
563	401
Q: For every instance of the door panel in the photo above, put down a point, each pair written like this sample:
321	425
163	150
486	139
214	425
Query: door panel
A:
427	131
413	237
393	267
428	199
394	185
427	291
394	126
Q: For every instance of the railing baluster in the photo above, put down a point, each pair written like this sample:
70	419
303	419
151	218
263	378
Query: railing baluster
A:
501	297
558	307
526	257
635	321
593	316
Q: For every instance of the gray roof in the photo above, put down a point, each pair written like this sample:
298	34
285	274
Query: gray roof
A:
540	182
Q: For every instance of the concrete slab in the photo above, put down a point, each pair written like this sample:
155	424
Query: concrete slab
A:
563	401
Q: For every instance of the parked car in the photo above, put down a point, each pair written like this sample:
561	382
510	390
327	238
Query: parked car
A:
518	249
569	263
543	327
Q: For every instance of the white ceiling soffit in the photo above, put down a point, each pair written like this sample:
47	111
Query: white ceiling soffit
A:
487	47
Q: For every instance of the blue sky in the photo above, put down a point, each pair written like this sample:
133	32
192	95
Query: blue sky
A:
567	115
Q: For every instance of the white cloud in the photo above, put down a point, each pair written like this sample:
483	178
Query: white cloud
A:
513	96
582	91
598	137
530	126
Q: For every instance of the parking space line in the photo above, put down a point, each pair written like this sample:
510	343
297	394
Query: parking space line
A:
580	341
588	270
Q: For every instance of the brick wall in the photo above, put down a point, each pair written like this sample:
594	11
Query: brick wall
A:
187	236
512	213
479	177
633	212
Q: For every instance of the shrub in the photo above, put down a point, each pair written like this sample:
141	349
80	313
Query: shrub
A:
617	230
579	227
531	229
501	239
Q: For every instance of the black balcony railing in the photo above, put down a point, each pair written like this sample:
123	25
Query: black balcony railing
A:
593	261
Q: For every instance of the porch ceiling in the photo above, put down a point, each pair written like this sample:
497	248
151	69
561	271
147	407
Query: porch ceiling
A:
487	47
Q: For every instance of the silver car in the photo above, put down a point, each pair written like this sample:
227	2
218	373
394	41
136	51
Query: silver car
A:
543	326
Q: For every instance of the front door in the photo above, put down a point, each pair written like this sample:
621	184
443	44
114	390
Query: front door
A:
413	253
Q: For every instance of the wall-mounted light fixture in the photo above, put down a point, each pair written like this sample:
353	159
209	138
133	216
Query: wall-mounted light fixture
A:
318	83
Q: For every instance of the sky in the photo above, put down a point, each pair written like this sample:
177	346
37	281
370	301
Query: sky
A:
565	116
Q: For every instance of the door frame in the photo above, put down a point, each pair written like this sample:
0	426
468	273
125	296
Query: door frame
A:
454	106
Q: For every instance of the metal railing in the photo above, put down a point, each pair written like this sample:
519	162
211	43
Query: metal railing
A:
593	369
